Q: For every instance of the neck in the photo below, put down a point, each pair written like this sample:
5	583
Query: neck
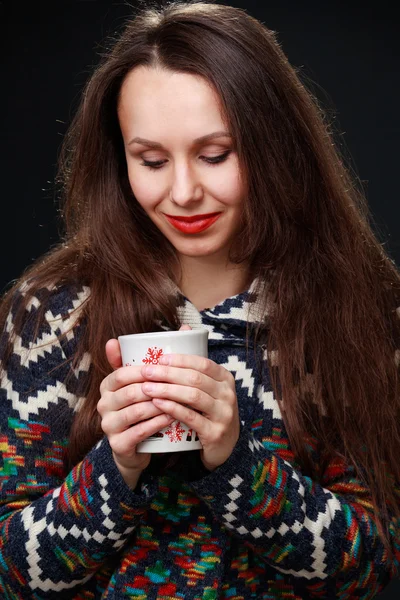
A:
205	283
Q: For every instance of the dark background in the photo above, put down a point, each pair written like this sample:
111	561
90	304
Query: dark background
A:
349	51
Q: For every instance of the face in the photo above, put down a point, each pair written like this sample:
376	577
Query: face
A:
172	171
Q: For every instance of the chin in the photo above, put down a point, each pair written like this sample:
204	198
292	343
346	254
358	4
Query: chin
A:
197	250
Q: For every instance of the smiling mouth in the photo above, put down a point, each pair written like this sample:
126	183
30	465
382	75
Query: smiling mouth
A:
194	224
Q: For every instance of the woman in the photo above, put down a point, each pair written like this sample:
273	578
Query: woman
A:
202	189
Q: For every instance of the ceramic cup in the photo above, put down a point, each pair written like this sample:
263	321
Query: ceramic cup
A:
146	348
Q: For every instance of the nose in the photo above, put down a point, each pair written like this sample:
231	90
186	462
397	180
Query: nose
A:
186	187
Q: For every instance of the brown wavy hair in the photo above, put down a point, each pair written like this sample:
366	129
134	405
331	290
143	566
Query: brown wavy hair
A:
306	230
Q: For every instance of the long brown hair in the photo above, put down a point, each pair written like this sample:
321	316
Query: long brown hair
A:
333	330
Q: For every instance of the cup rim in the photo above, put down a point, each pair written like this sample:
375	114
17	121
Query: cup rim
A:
153	334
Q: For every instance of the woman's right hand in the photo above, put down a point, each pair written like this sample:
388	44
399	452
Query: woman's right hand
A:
128	416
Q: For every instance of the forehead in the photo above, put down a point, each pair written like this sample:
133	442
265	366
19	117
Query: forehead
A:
157	99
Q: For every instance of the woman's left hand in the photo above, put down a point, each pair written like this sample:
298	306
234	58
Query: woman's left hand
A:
188	385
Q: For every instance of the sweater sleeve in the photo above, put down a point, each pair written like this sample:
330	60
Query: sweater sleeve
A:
56	528
325	537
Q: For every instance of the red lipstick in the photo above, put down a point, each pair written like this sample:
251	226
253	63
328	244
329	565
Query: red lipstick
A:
194	224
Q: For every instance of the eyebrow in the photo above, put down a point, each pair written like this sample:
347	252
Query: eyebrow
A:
200	140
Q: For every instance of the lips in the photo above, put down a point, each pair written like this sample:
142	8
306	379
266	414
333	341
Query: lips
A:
193	224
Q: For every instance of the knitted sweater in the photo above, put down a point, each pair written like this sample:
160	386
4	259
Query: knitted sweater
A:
255	527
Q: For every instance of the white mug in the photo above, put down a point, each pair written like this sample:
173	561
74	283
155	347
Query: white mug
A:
146	348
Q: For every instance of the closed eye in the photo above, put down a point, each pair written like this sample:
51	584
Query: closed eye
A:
214	160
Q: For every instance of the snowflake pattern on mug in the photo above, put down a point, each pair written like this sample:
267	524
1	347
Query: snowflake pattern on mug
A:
175	432
152	356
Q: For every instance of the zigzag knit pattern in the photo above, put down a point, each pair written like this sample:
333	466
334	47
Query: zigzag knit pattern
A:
256	527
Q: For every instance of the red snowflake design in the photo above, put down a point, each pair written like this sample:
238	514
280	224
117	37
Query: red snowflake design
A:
152	356
175	432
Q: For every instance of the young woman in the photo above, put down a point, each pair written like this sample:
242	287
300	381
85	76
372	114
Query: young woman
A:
202	189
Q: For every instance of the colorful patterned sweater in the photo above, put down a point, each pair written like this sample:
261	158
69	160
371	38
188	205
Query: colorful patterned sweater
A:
255	527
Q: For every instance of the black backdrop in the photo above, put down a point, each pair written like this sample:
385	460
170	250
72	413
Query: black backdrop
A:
350	51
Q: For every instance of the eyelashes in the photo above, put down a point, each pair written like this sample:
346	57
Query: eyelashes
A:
215	160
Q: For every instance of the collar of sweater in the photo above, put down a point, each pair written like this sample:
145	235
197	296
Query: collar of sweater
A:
227	321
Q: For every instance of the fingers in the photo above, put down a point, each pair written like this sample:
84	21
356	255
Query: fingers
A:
193	397
182	377
121	378
124	443
185	328
113	354
199	363
117	421
125	396
199	423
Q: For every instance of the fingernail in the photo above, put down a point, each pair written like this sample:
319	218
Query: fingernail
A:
148	387
163	360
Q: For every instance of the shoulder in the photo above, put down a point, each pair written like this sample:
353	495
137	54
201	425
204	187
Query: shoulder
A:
38	315
58	296
41	355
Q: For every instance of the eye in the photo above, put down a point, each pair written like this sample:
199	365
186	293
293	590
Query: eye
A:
214	160
153	166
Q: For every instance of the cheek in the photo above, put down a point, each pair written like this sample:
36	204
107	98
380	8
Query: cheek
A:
145	189
228	188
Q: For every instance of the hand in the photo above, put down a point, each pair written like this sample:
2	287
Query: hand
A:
124	409
191	385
